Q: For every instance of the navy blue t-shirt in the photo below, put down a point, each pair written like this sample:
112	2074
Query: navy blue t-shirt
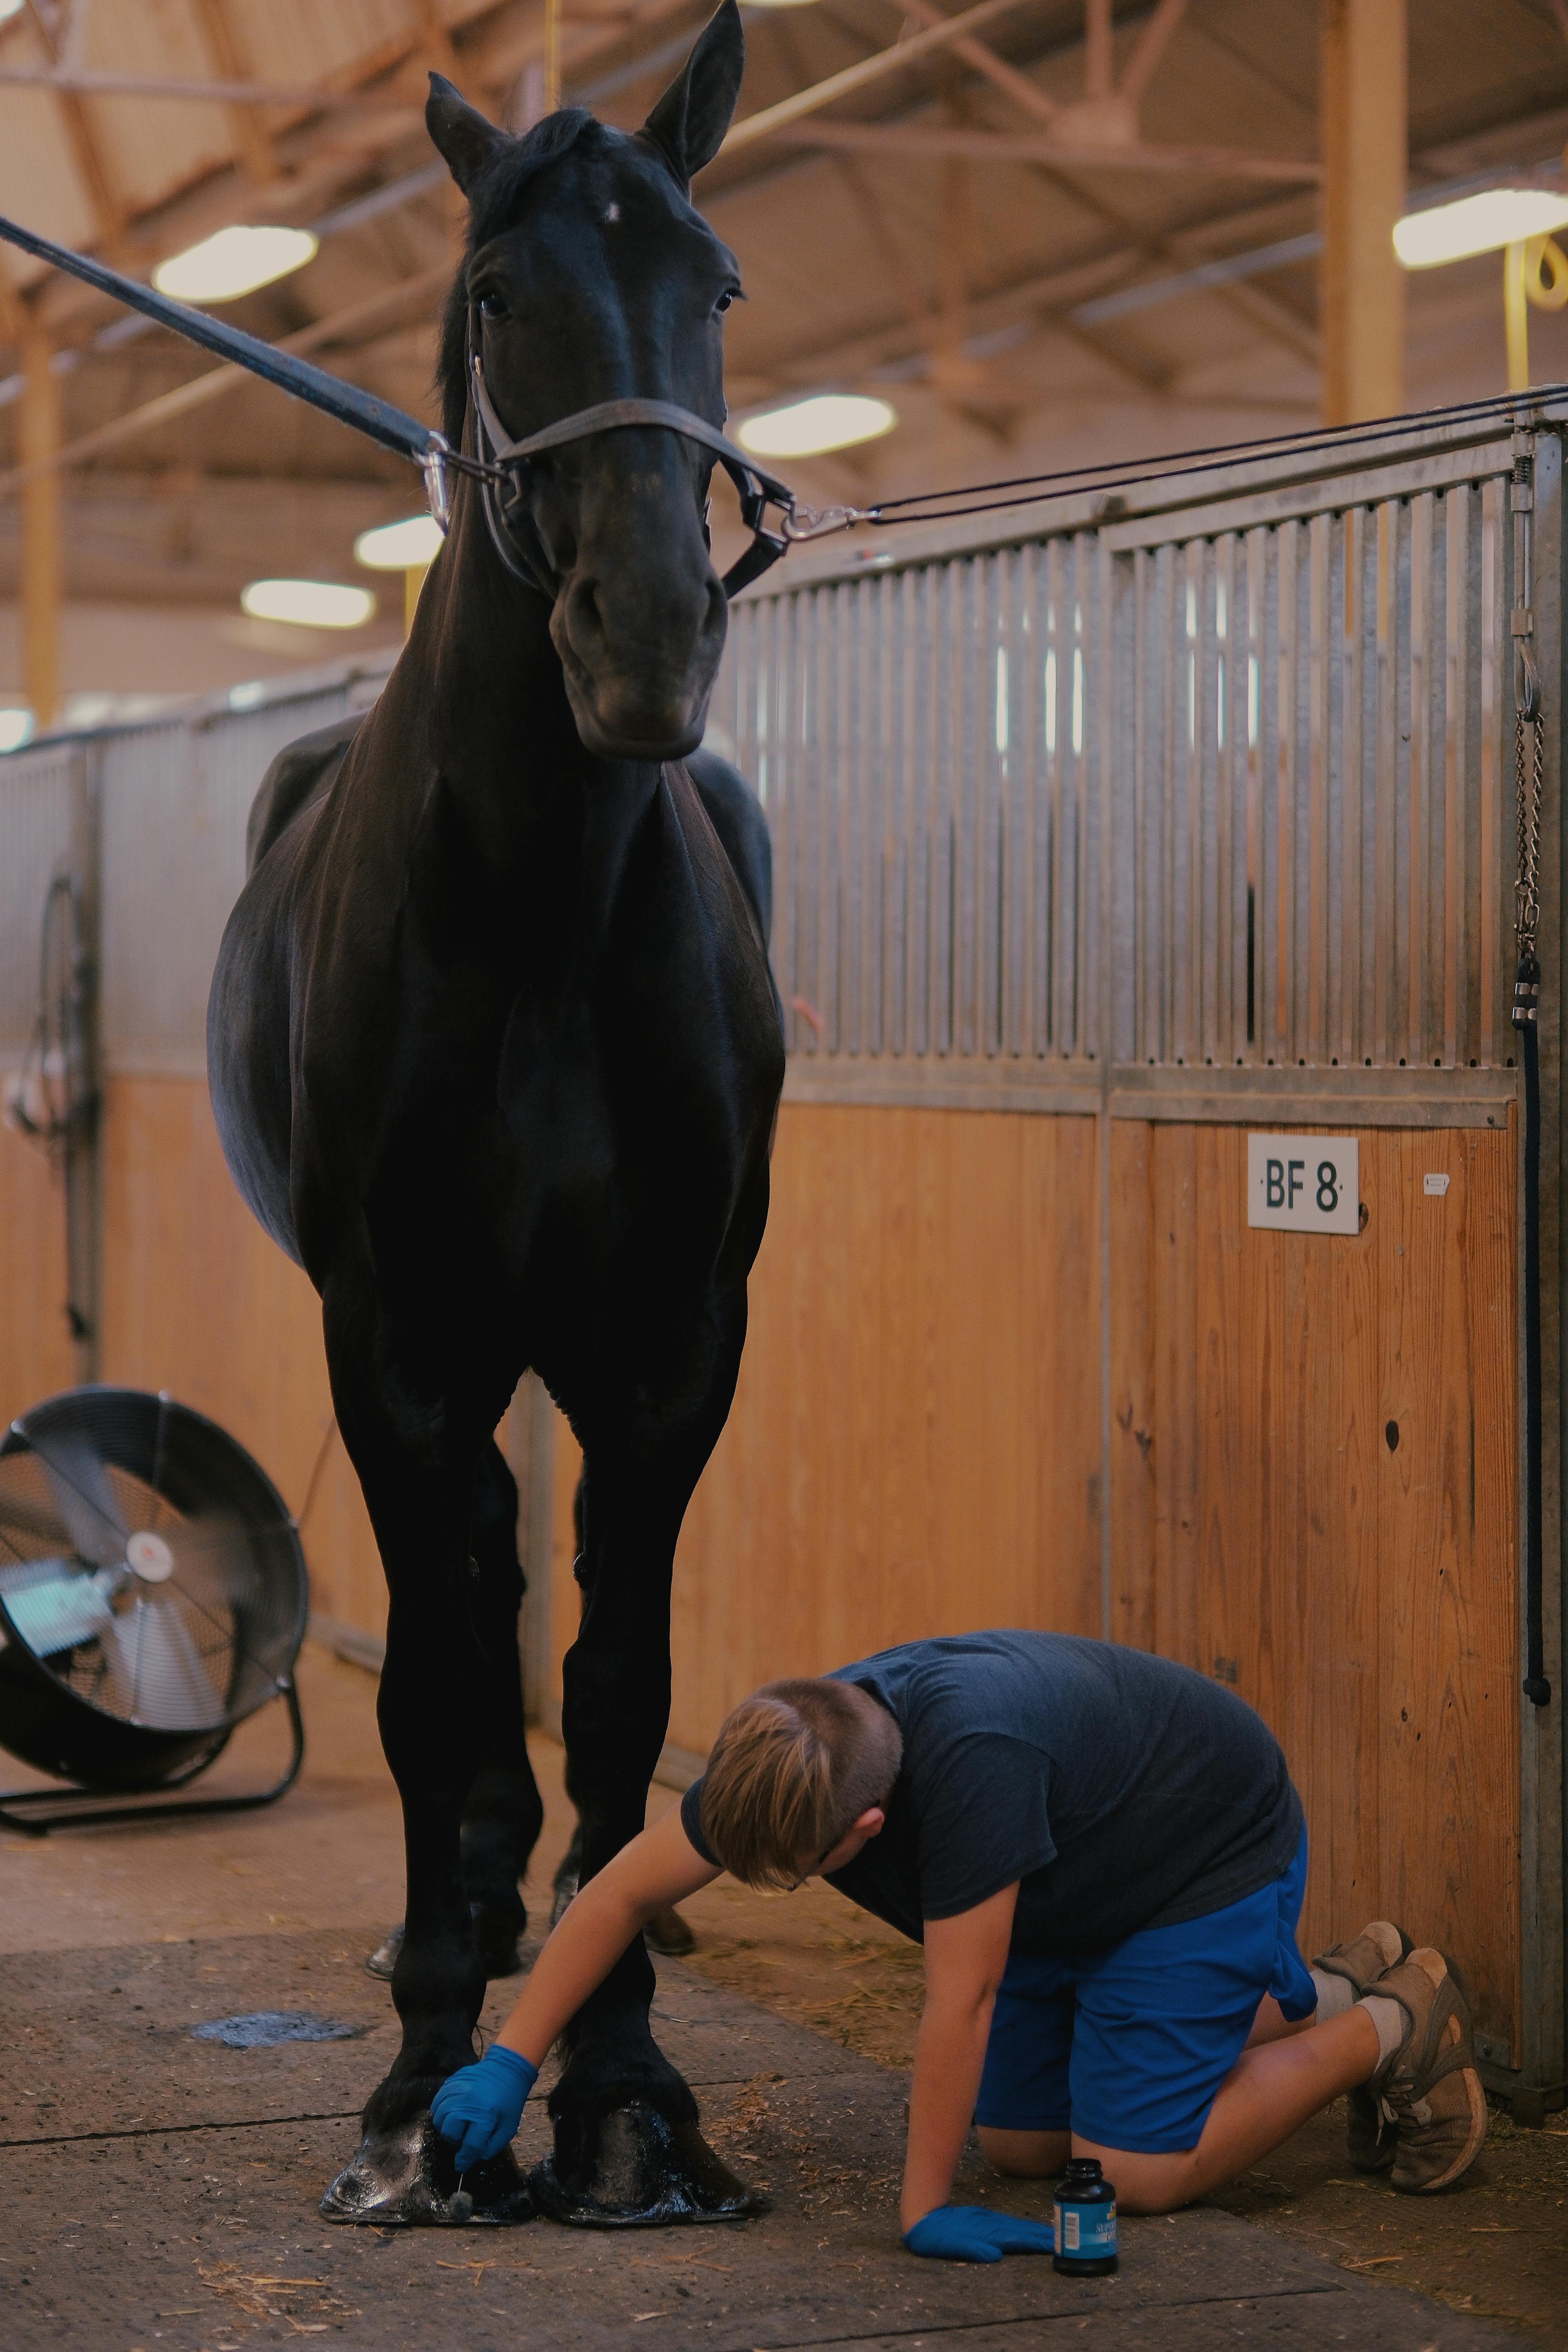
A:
1118	1790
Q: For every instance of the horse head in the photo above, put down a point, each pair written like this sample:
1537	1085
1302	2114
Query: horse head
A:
589	278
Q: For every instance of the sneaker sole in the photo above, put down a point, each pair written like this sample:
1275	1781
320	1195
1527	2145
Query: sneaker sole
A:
1470	2150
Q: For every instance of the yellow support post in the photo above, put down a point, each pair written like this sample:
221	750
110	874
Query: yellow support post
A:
1363	112
551	55
1516	317
43	565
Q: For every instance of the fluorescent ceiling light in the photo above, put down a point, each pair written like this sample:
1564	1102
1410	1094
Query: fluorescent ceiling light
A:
309	603
234	262
399	546
829	420
15	724
1477	224
758	3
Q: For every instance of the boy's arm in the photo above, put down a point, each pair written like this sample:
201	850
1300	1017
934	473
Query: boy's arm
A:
657	1868
965	1960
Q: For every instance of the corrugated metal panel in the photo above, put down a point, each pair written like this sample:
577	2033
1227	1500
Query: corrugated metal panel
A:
176	801
38	793
1296	728
922	743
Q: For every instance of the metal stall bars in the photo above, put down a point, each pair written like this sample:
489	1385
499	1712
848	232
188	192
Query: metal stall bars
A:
1195	803
48	986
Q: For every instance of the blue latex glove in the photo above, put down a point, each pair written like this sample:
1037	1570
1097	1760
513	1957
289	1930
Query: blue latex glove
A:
972	2233
481	2107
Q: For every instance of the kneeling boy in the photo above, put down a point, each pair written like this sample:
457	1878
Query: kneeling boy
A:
1104	1858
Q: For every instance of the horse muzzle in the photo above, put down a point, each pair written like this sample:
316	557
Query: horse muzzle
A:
639	666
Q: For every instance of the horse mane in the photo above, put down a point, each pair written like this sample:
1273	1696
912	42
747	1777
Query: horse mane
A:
493	198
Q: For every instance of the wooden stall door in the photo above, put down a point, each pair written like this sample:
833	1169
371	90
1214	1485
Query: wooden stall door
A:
1314	1498
915	1446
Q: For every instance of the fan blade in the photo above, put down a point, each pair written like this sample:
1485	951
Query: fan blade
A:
29	1521
85	1499
54	1606
161	1669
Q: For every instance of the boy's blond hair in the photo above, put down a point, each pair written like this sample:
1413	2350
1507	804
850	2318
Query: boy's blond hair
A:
792	1769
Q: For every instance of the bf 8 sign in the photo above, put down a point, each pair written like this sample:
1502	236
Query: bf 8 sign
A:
1304	1183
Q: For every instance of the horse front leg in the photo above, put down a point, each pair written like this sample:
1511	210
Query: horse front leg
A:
504	1813
419	1488
627	2151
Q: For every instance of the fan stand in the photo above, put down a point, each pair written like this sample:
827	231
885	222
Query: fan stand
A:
112	1807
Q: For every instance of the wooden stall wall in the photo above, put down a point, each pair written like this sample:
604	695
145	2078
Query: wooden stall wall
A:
1313	1463
914	1445
1314	1491
196	1299
1313	1473
35	1354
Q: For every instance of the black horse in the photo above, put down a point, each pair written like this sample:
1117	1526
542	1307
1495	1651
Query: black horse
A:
496	1054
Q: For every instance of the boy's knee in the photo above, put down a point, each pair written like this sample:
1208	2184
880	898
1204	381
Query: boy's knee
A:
1024	2154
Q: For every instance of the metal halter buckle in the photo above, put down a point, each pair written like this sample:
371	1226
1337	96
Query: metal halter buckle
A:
437	483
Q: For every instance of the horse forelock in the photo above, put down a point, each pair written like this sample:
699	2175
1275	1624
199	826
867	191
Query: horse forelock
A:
492	202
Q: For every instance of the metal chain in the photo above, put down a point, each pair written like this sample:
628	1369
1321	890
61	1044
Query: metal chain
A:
1527	773
1527	886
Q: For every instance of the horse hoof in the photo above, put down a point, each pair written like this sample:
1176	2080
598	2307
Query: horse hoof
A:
384	1959
405	2178
668	1932
634	2169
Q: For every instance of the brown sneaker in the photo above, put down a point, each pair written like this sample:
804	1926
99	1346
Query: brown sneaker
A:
1429	2085
1370	2137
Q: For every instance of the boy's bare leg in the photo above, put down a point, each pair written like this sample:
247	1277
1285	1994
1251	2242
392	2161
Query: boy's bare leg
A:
1026	2155
1271	2024
1269	2093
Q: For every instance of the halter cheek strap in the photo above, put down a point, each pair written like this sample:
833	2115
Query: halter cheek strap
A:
503	463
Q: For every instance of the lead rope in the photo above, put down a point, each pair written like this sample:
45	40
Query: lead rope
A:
1526	779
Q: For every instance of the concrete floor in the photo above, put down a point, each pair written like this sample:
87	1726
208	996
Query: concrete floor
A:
161	2190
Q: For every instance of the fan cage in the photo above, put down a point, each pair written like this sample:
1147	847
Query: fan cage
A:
120	1674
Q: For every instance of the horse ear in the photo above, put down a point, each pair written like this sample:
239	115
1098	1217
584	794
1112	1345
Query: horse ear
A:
688	123
460	131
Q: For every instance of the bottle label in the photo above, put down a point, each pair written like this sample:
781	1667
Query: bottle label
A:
1088	2231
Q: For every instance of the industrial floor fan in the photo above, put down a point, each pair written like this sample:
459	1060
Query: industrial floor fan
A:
152	1594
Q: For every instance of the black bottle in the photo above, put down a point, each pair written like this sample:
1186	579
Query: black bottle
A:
1085	2221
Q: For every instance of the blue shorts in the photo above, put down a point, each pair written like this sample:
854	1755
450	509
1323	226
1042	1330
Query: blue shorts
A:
1129	2049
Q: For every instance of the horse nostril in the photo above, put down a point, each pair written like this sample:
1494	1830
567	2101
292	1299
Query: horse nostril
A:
584	615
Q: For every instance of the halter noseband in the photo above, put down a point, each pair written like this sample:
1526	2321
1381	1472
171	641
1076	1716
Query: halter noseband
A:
499	465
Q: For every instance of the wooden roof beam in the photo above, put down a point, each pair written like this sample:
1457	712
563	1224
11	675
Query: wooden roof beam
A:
108	210
1097	131
1008	147
434	40
863	73
252	140
986	62
1149	49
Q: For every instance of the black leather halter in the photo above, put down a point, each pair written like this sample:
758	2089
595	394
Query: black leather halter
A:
501	464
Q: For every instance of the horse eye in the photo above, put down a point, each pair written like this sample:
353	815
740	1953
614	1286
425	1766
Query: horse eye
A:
492	307
724	301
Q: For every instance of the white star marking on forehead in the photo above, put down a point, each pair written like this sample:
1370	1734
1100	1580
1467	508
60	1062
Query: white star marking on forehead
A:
613	214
